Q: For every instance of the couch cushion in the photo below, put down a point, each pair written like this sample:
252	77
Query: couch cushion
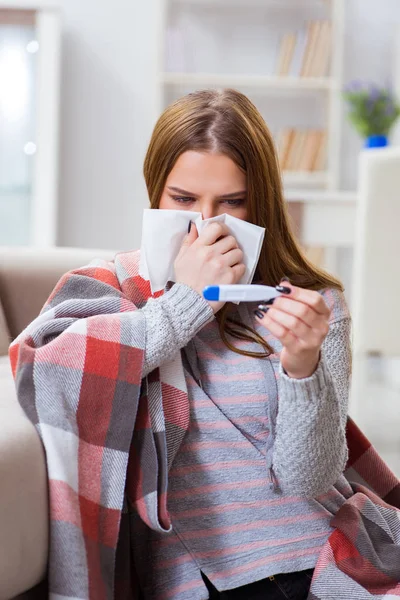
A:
23	495
28	275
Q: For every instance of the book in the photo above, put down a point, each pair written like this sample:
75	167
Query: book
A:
287	47
291	151
302	138
320	156
302	150
306	55
286	139
322	68
319	61
314	48
310	150
309	57
295	152
298	55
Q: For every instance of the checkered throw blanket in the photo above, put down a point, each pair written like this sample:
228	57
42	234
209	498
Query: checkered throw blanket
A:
110	437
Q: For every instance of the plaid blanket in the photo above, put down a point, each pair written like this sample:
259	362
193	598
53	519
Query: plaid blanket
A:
110	437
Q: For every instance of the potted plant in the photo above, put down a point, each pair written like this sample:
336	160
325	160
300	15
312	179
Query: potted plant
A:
373	111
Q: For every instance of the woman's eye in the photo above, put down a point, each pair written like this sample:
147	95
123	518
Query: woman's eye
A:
183	199
237	202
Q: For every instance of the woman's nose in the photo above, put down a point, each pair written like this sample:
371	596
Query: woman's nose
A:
208	211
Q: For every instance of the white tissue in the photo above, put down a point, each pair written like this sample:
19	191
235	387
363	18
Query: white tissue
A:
163	234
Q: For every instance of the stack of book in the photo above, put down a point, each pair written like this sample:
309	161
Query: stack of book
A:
306	53
302	150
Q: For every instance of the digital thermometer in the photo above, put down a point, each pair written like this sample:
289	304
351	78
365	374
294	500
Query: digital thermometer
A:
240	293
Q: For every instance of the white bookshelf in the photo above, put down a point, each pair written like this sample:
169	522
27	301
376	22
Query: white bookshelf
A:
205	17
262	82
214	56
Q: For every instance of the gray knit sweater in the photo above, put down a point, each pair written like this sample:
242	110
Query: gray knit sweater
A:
310	450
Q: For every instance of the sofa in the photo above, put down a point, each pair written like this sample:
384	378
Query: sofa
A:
27	276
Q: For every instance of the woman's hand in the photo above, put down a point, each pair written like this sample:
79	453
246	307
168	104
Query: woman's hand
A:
300	321
213	258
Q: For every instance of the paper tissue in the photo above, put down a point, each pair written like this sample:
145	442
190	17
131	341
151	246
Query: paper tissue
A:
164	231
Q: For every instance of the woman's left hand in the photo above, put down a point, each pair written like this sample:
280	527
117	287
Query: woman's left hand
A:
300	321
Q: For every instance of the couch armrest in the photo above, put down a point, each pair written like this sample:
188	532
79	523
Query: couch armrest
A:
23	495
5	338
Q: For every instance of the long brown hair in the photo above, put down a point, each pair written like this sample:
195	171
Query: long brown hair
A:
227	122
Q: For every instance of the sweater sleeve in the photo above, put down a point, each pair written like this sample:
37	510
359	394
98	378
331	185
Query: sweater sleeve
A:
172	320
310	449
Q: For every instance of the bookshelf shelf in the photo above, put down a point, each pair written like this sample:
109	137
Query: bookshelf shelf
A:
293	179
266	82
322	197
229	4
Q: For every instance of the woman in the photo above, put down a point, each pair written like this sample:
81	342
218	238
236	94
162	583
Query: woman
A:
257	475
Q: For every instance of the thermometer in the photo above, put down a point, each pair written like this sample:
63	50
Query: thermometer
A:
240	293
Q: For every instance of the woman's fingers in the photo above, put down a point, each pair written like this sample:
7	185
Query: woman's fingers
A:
225	244
212	232
302	332
233	257
285	336
312	299
299	318
298	309
218	244
190	238
237	272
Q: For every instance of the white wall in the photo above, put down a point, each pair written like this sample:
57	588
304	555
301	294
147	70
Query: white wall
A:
369	44
108	109
109	105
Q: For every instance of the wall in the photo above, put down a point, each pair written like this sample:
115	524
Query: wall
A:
108	111
109	105
369	47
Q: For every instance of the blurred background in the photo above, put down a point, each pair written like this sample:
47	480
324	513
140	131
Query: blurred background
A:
82	83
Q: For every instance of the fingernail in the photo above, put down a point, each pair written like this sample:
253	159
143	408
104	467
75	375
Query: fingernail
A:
282	289
264	308
286	279
190	226
259	314
269	302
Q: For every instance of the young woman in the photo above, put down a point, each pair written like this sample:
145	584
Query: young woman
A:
258	476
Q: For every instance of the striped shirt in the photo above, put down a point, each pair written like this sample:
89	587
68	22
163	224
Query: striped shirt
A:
229	520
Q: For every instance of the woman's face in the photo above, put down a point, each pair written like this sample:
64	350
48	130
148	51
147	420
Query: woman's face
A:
211	184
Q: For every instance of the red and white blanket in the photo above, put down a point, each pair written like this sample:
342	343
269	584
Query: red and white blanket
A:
110	437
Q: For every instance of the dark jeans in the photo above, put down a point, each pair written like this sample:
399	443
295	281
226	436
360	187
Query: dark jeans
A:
285	586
